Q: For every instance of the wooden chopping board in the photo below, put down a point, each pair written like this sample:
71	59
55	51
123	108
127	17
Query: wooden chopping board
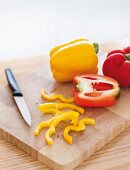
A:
109	122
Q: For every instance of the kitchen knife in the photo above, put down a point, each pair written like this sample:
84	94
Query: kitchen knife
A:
18	96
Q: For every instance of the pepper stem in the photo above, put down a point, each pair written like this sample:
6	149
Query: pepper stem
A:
127	56
79	87
96	47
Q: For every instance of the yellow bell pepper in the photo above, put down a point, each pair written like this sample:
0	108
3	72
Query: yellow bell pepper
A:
74	58
78	128
63	45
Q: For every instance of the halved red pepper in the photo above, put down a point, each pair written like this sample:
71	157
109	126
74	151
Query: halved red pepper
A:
95	90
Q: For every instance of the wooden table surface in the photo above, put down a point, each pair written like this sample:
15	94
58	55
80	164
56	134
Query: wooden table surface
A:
115	155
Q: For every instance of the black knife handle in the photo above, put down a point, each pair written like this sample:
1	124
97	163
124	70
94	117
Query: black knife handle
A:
13	82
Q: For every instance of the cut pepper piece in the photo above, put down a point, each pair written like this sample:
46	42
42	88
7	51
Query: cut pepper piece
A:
78	128
56	96
71	115
95	90
43	107
42	125
53	111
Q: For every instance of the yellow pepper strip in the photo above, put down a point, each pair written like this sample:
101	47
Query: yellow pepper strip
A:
79	127
53	111
43	107
56	96
42	125
71	115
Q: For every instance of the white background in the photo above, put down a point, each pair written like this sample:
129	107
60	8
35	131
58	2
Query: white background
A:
31	27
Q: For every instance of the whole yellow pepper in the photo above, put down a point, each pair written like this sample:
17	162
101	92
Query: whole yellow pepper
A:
74	58
63	45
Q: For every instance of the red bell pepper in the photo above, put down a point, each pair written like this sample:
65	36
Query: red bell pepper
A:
117	66
95	90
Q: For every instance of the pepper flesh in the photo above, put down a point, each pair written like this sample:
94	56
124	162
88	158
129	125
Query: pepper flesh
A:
42	125
74	59
52	123
56	96
78	128
53	111
95	90
43	107
47	123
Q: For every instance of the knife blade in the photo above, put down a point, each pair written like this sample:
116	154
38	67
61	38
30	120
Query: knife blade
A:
18	96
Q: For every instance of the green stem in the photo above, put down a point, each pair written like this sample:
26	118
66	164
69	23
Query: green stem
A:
96	47
79	87
127	56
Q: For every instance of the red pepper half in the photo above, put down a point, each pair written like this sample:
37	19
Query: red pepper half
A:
117	66
95	90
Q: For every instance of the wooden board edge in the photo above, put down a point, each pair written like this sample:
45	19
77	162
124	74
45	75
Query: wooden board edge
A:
16	142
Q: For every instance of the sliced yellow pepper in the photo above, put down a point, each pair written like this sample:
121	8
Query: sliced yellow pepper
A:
71	115
42	125
53	111
56	96
79	127
47	123
43	107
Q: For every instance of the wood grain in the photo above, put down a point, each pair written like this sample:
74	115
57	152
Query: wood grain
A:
13	158
125	162
115	155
